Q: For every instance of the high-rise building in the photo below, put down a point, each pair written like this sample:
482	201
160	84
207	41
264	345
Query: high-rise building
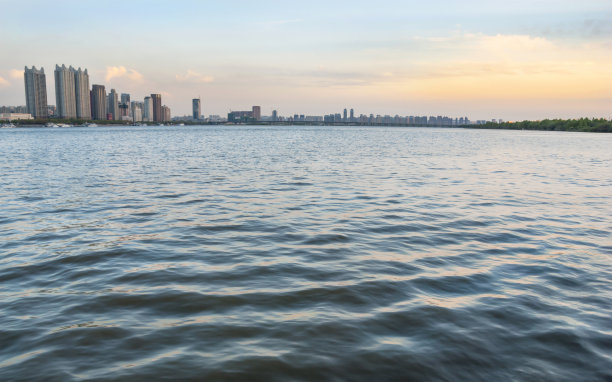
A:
345	116
274	116
352	116
65	91
98	102
36	92
136	108
196	107
83	102
112	105
124	105
165	113
157	108
147	112
257	113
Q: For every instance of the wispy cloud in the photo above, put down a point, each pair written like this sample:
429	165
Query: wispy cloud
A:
122	72
476	65
193	76
15	73
597	28
512	67
589	29
4	82
323	77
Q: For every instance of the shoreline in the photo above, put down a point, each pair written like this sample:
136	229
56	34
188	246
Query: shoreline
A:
572	125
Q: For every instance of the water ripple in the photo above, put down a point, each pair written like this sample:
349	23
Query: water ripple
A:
201	253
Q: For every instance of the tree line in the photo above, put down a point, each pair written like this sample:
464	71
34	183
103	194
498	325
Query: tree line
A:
594	125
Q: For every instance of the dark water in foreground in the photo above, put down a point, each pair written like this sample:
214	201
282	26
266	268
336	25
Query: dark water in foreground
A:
249	253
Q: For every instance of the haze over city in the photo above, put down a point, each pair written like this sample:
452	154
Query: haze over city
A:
525	60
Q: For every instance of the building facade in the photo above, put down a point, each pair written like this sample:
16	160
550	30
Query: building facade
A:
157	108
65	92
125	106
82	93
14	109
240	116
112	105
166	116
36	92
14	116
257	113
147	111
196	108
136	109
98	102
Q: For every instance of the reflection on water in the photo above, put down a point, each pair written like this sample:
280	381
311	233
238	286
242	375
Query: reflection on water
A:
282	253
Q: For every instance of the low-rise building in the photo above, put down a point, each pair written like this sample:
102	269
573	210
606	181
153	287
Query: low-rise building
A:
15	116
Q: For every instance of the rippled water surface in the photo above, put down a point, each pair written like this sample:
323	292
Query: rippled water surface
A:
286	253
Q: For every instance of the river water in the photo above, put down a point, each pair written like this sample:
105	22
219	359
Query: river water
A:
305	253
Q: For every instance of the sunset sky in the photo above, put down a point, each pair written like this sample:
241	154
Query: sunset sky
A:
483	59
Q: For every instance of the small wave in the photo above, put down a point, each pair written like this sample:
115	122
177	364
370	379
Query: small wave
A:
324	239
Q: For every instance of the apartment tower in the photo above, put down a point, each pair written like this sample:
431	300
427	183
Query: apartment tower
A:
83	102
158	115
65	92
98	102
147	111
112	105
196	108
36	92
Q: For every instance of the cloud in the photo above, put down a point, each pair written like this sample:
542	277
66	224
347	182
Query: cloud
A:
500	66
122	72
324	77
592	28
514	46
597	28
192	76
15	73
4	82
476	55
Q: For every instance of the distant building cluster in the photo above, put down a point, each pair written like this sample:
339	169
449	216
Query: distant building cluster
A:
346	117
75	100
371	119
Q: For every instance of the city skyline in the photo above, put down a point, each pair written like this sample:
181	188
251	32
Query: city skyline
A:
525	60
75	100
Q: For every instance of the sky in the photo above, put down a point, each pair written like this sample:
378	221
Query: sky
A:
518	60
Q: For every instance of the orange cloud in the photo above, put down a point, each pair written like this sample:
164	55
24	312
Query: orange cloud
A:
192	76
17	74
122	72
507	67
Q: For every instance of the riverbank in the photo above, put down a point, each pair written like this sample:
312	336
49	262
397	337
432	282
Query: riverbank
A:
579	125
